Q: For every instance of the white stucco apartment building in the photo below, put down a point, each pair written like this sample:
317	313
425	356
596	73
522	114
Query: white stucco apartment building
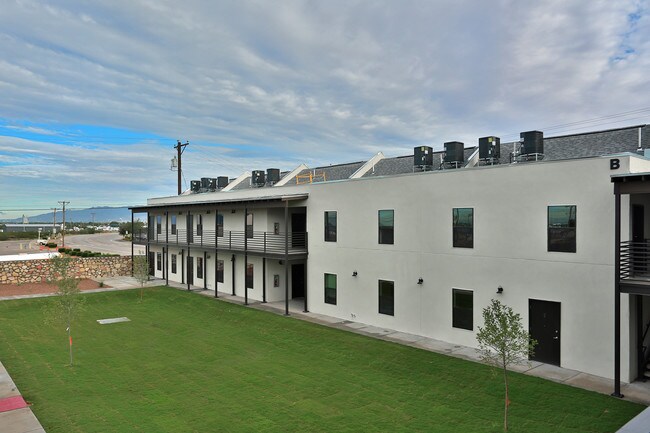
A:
421	243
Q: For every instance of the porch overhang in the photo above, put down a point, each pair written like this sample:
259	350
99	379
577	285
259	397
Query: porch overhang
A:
231	203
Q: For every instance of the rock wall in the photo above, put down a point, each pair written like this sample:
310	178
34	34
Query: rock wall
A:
37	271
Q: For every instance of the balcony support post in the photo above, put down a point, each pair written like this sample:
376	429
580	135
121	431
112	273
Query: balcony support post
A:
205	270
132	239
286	258
166	248
617	292
246	256
233	274
216	252
264	279
189	236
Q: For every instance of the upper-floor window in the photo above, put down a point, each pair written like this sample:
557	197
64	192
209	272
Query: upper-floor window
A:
387	297
330	289
386	226
219	224
173	224
199	267
249	225
330	226
562	229
199	225
159	224
463	227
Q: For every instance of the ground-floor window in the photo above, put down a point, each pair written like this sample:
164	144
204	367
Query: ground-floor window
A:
159	261
199	267
219	271
249	276
173	263
463	309
330	289
387	297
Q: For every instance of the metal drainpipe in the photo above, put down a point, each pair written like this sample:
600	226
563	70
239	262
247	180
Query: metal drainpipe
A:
286	258
245	256
216	254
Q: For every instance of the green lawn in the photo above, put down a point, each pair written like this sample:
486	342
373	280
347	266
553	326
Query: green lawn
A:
187	363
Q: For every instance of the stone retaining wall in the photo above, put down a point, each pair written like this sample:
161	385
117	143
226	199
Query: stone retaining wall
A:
37	271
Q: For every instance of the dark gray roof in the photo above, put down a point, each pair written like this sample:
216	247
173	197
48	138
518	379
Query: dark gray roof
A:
404	164
328	173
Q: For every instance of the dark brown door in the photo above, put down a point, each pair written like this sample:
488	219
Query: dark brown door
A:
298	280
544	327
152	263
190	270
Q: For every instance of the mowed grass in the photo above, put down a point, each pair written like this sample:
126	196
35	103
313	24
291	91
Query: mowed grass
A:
187	363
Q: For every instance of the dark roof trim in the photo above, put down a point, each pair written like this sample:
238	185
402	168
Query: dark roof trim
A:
596	132
239	201
631	177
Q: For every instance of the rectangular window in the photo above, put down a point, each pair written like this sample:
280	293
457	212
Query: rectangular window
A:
330	226
173	263
562	229
199	267
159	261
159	224
219	271
463	309
249	276
199	225
173	224
249	225
387	297
220	225
330	289
463	227
386	226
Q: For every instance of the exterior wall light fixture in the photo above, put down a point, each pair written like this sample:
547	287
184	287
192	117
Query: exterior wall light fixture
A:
420	280
499	290
354	273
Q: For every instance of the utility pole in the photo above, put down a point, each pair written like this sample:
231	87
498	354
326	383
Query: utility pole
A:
63	203
54	222
180	148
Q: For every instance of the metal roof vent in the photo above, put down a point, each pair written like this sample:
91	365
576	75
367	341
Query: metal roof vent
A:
222	182
272	175
195	186
258	178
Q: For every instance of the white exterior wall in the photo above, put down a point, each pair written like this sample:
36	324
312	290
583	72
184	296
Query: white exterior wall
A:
510	250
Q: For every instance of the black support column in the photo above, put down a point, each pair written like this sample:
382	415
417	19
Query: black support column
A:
216	253
232	259
617	292
187	239
205	270
245	256
264	279
132	239
286	258
306	310
166	248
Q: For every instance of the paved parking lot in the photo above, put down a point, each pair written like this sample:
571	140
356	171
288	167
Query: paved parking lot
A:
111	243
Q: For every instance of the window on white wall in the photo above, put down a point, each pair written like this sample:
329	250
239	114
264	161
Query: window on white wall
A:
387	297
463	309
330	289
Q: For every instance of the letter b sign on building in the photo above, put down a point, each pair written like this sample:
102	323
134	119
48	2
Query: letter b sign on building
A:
614	164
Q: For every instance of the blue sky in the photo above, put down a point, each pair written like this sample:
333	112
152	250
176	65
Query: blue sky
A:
93	95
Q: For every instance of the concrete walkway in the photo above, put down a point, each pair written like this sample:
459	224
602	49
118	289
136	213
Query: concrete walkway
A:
17	420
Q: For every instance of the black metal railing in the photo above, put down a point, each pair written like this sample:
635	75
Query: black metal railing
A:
635	260
259	242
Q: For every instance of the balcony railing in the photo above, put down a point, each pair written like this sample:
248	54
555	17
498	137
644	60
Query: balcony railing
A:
635	261
259	242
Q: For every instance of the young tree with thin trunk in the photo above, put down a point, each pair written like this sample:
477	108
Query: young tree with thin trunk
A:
64	307
503	341
141	271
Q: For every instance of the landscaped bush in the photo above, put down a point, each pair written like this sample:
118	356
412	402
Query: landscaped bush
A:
51	245
77	250
63	250
73	253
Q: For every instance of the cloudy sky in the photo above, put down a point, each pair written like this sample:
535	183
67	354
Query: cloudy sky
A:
93	95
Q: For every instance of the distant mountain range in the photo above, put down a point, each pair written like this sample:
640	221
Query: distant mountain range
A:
93	214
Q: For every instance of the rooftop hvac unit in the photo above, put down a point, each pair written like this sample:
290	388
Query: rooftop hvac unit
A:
533	143
489	147
205	182
195	185
422	156
272	175
258	178
222	182
212	185
454	152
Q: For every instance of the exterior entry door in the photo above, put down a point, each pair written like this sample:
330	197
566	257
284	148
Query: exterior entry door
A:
298	280
152	263
544	326
190	270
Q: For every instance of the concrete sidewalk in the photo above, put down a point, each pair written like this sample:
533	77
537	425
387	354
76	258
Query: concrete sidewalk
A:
18	420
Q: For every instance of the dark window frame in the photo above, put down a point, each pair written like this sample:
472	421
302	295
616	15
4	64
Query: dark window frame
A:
250	276
219	218
330	229
462	234
173	224
174	263
159	261
158	224
386	232
385	307
249	226
561	238
462	316
220	266
199	225
199	267
330	291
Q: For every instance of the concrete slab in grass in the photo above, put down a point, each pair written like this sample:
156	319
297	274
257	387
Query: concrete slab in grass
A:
524	366
355	325
552	372
20	421
637	391
7	386
403	337
373	330
466	353
591	382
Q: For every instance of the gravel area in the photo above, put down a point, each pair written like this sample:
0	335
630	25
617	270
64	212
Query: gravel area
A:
41	288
